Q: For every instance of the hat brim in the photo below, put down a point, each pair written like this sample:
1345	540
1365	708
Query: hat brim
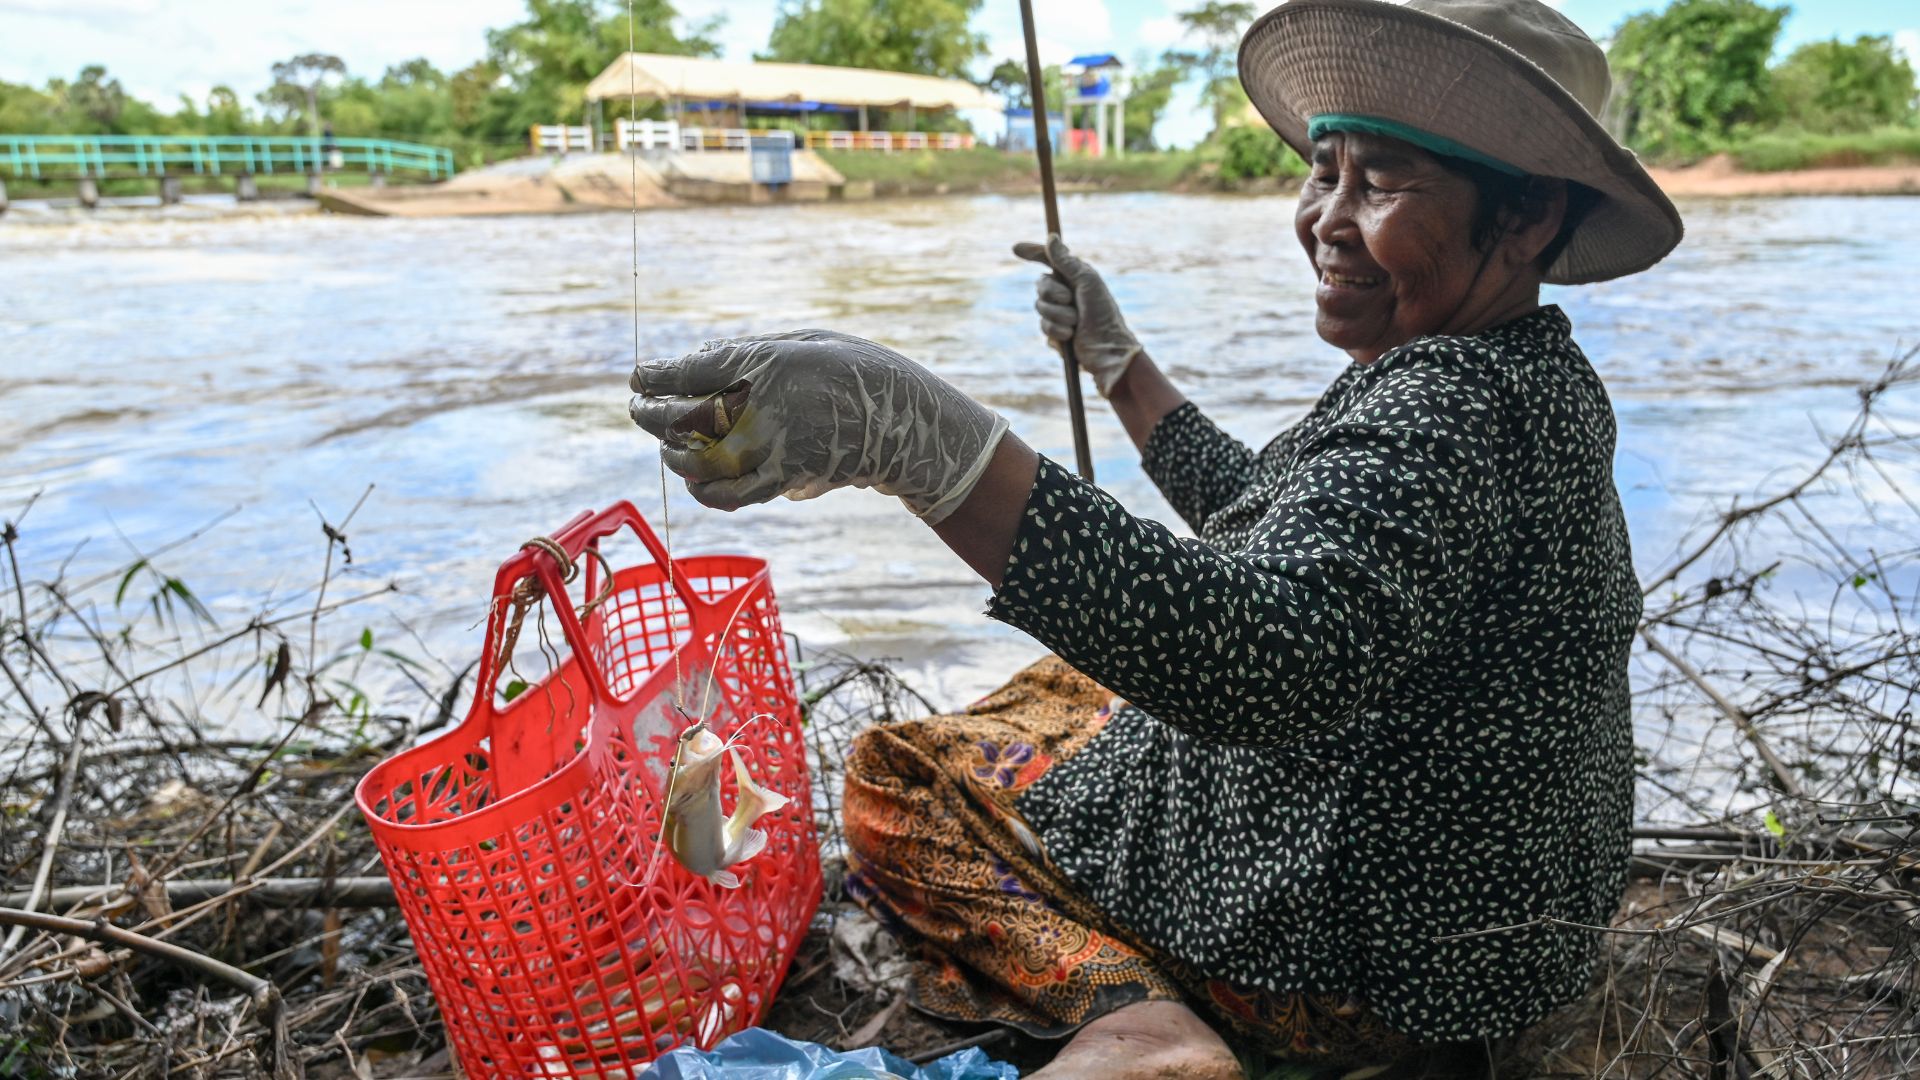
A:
1308	58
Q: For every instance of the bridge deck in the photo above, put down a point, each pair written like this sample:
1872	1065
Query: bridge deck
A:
104	157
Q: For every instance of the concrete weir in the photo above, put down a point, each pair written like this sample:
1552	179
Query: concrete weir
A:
576	182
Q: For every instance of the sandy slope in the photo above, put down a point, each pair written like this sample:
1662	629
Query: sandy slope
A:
1719	177
524	186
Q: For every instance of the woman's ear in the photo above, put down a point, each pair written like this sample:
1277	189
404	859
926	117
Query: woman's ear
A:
1530	230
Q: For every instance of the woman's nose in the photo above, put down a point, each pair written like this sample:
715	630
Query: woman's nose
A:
1336	225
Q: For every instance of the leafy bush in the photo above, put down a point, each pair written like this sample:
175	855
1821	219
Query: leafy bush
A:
1694	75
1835	86
1780	151
1254	151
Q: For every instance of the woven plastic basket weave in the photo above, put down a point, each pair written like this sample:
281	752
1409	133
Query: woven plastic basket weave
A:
520	843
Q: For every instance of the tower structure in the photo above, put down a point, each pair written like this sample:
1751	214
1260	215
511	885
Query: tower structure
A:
1096	85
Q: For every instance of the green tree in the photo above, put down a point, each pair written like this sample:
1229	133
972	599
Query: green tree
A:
95	97
1147	99
1829	86
1252	151
1695	75
926	37
225	114
27	111
545	62
297	82
1215	26
413	99
96	104
1009	80
475	94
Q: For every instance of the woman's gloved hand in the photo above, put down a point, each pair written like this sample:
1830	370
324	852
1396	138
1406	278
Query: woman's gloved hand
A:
801	413
1075	306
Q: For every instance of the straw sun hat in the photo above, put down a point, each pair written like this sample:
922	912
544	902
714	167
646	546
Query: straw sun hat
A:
1512	84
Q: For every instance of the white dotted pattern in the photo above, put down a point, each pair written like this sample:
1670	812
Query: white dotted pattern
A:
1382	698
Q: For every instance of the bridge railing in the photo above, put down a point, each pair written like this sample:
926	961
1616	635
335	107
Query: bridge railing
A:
108	156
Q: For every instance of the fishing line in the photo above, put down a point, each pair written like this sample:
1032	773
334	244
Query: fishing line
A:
680	748
633	219
666	520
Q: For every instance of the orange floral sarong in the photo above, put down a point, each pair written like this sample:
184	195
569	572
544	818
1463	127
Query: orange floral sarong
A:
940	857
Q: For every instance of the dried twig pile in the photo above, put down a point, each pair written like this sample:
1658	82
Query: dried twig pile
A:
180	900
1771	928
176	900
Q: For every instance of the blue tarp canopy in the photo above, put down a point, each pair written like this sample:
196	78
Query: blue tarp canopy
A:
775	106
1094	60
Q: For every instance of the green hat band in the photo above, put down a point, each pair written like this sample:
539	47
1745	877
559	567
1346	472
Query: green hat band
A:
1393	129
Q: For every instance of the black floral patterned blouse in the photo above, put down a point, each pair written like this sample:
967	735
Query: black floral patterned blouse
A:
1380	701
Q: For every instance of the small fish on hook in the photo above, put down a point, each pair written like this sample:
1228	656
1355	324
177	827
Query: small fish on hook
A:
700	839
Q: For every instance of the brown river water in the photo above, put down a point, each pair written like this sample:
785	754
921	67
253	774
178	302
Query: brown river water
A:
159	370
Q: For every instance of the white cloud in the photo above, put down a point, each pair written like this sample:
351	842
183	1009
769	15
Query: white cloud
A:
749	23
1161	32
1908	42
1062	29
160	49
79	9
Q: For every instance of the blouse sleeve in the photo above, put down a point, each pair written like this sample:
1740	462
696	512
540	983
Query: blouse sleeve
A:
1353	576
1196	465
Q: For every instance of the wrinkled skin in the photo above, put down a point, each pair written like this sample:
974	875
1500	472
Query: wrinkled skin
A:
1388	230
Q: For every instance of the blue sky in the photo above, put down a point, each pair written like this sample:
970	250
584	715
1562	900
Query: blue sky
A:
162	48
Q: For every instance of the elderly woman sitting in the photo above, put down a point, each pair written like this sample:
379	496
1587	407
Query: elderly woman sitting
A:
1370	752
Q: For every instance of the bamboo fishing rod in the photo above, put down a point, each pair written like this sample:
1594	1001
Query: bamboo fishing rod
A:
1043	144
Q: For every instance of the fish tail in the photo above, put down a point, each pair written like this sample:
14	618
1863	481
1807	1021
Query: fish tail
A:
751	843
754	801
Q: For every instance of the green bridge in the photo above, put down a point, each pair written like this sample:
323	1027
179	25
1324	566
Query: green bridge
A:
89	159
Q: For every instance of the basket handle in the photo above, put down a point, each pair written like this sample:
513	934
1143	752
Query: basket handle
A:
584	531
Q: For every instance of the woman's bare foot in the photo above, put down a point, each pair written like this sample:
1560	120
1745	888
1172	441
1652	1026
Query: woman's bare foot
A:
1149	1040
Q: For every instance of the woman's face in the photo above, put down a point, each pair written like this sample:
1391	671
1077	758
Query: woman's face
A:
1389	232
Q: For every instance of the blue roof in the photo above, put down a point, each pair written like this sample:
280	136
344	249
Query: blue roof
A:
1093	60
776	106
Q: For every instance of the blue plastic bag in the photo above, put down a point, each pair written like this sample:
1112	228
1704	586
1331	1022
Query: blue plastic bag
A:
759	1054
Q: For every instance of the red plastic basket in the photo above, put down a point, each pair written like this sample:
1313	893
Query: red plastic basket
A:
519	844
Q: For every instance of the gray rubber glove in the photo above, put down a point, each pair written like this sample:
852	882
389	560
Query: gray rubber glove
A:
801	413
1075	306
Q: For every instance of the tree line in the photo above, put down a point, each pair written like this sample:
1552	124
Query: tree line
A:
536	72
1695	77
1699	77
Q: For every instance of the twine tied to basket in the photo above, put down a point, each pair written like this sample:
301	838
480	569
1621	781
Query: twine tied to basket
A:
529	591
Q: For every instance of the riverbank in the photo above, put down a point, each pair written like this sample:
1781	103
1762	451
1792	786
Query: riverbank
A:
992	172
608	183
1721	177
987	171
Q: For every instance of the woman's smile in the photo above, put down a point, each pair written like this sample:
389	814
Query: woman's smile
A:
1389	230
1345	293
